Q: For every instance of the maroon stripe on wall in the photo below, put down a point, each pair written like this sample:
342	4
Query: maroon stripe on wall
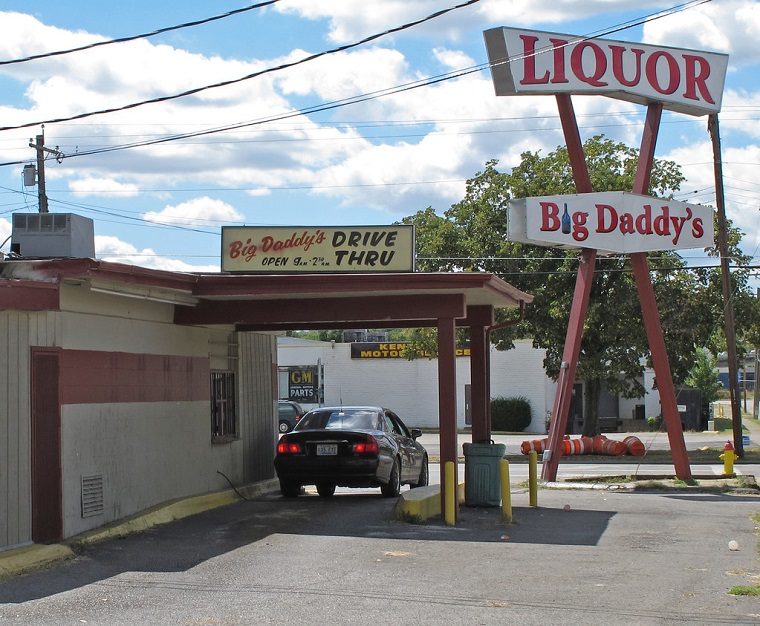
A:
93	377
23	295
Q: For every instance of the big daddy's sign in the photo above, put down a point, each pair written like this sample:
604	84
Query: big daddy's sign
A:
533	62
611	222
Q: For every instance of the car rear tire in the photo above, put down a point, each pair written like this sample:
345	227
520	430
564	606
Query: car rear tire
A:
326	490
393	488
424	474
284	427
290	490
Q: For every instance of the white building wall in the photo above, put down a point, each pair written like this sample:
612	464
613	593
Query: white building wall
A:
146	452
411	387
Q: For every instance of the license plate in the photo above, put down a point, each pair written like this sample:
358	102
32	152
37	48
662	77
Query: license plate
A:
327	449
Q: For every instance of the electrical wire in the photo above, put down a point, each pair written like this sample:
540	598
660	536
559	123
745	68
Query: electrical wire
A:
234	81
356	99
387	91
153	33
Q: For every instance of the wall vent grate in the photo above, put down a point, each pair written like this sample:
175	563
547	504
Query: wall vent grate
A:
92	495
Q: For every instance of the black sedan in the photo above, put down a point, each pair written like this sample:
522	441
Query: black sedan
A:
357	446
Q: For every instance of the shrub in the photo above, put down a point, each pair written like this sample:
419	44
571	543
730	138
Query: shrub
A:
510	414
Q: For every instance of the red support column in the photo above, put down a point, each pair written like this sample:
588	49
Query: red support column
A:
447	414
481	428
661	366
480	319
569	362
649	312
580	297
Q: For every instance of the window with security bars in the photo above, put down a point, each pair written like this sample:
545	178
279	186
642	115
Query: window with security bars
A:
223	406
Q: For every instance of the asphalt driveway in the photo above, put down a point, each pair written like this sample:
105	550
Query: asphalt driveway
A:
581	557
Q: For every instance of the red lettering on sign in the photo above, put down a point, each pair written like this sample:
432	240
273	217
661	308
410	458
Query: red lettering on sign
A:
695	79
559	60
550	59
529	62
549	216
673	72
617	65
600	64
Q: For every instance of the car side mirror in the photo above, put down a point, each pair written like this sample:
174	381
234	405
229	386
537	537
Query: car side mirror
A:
416	432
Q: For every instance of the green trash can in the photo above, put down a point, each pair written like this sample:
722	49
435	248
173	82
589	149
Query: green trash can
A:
482	479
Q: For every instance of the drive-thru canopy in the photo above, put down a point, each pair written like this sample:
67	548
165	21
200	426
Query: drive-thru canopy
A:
302	301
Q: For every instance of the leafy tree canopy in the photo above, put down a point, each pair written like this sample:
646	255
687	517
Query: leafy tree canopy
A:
472	236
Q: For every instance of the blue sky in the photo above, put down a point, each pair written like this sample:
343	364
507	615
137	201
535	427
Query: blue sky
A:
369	163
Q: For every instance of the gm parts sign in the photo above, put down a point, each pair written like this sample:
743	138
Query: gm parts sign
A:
311	249
532	62
612	222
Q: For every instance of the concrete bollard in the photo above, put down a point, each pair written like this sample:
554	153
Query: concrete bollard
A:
533	478
506	493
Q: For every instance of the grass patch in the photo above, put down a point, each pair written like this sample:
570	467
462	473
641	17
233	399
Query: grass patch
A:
745	590
604	480
685	483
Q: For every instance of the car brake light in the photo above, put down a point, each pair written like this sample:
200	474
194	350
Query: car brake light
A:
288	447
367	447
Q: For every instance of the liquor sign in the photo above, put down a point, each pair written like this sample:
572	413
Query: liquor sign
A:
533	62
611	222
391	350
310	249
303	383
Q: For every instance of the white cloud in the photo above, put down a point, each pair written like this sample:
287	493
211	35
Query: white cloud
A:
113	249
106	187
351	21
5	232
731	26
453	59
196	212
741	189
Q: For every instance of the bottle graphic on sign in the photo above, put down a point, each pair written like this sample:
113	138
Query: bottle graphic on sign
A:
566	221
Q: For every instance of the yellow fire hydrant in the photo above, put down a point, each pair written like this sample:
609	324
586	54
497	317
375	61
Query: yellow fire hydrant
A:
728	457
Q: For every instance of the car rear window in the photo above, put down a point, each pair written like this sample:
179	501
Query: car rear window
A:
286	410
337	420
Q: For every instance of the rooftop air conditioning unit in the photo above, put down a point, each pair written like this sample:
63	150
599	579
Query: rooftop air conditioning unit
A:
53	235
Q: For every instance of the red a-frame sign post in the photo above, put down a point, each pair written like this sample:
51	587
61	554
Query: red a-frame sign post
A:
579	308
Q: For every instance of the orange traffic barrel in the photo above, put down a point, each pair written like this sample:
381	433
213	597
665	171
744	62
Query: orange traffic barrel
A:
634	446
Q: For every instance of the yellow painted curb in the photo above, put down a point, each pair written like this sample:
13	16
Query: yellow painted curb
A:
423	502
19	560
165	513
162	514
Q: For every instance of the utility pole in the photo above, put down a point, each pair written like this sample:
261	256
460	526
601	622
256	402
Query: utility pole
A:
728	307
39	146
756	387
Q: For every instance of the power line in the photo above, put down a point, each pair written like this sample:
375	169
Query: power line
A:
159	31
233	81
353	100
390	90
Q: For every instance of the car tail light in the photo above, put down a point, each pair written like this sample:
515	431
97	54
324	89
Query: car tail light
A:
289	447
367	447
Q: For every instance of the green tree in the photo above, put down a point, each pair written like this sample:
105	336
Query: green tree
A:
704	376
472	236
